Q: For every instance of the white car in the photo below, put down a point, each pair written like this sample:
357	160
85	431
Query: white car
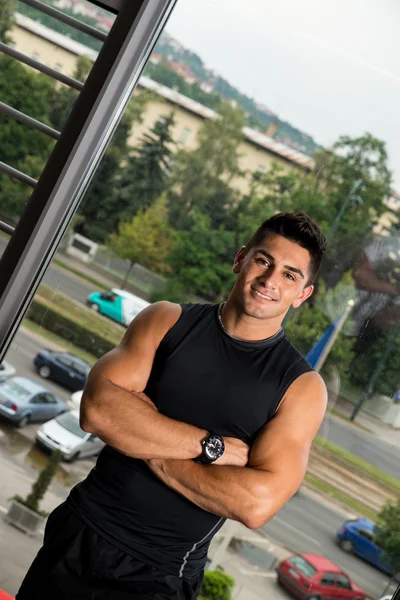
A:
74	401
64	433
6	371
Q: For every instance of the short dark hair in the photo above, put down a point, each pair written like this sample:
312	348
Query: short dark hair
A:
298	228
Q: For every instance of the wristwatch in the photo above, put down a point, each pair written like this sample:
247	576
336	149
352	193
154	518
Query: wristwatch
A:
212	449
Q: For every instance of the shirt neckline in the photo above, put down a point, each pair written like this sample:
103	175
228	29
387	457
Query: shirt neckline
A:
247	343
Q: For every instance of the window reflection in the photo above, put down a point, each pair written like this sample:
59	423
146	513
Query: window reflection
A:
202	156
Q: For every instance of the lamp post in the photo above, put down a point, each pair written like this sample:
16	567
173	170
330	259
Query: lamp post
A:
351	197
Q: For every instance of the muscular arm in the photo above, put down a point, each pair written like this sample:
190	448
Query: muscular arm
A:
278	462
112	407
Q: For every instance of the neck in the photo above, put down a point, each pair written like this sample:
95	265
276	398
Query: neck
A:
245	327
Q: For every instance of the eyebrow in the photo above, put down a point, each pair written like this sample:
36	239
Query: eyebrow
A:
288	267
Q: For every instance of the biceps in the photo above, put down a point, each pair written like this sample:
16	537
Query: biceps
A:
128	370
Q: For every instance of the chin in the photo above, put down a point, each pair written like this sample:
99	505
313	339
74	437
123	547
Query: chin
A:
261	310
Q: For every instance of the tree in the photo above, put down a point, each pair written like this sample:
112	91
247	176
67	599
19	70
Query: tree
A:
101	205
146	239
199	260
200	180
41	485
337	170
387	533
22	147
305	325
7	19
145	176
217	585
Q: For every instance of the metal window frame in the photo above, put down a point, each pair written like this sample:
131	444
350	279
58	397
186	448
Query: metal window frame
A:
75	157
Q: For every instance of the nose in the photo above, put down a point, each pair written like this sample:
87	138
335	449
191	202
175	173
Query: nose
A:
269	279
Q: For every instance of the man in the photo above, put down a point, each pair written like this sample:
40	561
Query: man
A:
209	413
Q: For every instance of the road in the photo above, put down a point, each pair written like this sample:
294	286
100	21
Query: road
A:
307	525
304	525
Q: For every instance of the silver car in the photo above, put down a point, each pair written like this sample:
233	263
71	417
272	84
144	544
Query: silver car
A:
6	371
64	434
22	400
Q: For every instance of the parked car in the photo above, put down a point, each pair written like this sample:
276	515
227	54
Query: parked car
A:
6	371
66	369
315	577
357	536
119	305
74	401
64	433
23	400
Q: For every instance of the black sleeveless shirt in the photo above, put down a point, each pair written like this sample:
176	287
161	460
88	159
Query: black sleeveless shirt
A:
202	376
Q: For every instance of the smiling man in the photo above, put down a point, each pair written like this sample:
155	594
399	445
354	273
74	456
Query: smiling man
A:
208	412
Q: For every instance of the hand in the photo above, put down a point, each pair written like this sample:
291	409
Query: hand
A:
236	453
146	399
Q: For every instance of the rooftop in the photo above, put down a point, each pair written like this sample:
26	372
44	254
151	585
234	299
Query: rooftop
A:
251	135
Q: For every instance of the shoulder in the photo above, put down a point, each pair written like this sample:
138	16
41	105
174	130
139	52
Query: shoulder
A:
307	392
153	322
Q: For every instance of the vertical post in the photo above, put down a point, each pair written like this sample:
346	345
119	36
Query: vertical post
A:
338	328
75	157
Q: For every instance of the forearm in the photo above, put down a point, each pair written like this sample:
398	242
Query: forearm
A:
237	493
123	420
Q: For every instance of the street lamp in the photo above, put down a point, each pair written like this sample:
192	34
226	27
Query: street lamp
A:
351	197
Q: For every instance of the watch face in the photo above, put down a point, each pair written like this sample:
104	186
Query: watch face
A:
214	447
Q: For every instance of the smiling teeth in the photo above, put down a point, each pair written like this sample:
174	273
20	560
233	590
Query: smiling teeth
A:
262	295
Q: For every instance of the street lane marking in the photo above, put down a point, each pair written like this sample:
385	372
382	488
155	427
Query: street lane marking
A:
293	528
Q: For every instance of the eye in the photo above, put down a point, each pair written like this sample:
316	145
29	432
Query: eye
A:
290	276
262	261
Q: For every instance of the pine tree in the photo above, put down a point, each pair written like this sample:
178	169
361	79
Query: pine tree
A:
43	481
146	173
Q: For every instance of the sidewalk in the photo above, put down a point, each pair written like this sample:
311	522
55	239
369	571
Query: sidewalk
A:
381	430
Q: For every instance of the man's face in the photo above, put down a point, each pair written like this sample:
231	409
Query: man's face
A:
272	277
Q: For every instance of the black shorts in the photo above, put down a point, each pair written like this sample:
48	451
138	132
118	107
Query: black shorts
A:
75	563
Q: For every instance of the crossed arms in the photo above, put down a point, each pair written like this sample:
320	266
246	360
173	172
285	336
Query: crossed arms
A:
249	486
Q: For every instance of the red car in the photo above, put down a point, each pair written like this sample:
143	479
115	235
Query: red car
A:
314	577
5	596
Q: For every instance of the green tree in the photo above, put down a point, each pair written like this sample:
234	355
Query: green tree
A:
22	147
337	170
217	585
7	19
387	533
304	326
147	239
199	260
64	97
41	485
101	204
145	176
200	180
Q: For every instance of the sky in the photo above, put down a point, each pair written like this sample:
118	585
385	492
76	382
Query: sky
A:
329	67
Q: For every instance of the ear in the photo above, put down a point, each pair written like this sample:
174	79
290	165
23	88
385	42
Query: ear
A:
305	294
237	264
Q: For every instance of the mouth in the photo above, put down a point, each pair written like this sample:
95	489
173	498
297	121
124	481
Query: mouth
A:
265	297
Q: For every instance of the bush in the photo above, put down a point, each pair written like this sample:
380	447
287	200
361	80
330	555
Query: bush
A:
75	323
217	585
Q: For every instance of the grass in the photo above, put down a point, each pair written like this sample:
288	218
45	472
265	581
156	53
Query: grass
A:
52	337
336	494
92	280
358	464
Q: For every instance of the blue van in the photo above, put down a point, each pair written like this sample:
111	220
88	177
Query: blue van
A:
357	536
118	305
